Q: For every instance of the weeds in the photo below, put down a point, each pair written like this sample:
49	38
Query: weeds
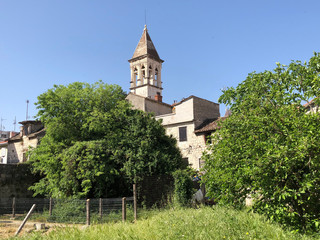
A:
202	223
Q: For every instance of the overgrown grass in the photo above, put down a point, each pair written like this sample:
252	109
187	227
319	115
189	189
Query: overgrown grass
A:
76	216
204	223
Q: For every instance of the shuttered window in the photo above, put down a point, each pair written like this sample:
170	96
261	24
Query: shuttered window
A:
182	134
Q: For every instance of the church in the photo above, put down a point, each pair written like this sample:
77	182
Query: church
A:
190	121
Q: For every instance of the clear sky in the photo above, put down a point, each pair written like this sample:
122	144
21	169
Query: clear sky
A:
206	44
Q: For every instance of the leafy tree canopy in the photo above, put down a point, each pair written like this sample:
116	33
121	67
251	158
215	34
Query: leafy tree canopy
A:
269	147
95	142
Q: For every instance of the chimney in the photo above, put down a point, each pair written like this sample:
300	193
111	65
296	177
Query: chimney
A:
158	97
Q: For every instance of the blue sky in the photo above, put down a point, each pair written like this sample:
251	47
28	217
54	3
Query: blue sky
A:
207	45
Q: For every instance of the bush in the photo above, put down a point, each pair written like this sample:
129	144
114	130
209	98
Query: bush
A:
183	187
69	210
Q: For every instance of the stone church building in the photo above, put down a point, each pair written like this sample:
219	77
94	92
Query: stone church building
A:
190	121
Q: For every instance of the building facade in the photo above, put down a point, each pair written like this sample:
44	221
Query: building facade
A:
30	134
183	120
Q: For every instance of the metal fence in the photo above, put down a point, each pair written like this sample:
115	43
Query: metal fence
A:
70	210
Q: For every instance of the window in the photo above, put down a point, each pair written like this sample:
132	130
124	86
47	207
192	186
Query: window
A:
143	74
135	74
182	134
24	157
150	72
25	130
185	162
207	138
201	163
156	74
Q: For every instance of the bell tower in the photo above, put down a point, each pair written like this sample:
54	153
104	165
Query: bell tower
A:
145	66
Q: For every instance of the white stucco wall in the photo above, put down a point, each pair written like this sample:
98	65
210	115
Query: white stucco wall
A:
4	154
181	113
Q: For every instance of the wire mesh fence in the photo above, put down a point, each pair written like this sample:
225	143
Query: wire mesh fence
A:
100	210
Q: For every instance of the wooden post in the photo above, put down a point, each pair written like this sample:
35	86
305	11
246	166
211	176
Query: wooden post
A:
25	220
100	208
124	209
13	207
50	207
135	202
88	212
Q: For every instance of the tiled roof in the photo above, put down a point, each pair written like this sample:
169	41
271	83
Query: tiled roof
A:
30	121
35	134
3	143
145	47
309	103
17	137
14	138
210	125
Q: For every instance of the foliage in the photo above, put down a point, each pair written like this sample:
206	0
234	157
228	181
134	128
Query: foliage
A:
183	187
204	223
95	142
68	211
268	148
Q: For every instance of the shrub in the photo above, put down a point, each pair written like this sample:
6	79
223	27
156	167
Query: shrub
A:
183	187
69	210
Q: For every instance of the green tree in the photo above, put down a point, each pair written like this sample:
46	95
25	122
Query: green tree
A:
269	147
95	141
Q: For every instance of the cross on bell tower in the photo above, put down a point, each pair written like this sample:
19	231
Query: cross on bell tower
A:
145	66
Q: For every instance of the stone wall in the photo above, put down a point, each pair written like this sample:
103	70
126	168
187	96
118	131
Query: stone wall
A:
17	150
15	181
193	147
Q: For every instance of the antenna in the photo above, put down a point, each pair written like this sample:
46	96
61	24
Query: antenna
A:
145	17
27	110
14	123
1	126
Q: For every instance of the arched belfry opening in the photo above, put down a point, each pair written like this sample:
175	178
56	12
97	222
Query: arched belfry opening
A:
145	66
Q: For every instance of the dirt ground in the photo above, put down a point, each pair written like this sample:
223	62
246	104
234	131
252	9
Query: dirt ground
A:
9	227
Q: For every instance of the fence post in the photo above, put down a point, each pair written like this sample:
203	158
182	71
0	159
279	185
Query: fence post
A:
88	212
124	209
135	202
50	206
25	220
100	208
14	207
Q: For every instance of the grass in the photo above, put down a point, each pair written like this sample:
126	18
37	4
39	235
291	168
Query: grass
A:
76	217
202	223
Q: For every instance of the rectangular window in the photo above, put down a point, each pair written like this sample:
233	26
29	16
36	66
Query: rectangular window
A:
182	134
185	162
201	163
207	138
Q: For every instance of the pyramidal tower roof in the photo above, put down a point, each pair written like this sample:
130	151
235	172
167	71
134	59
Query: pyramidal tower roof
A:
145	47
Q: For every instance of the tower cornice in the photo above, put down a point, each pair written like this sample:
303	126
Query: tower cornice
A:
145	56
